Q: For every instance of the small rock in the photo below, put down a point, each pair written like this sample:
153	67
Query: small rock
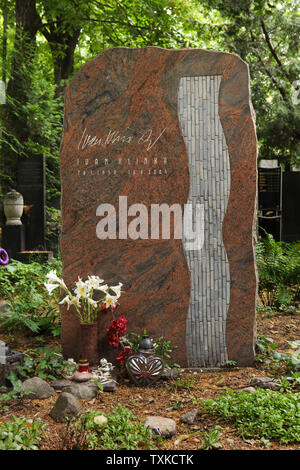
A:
66	406
264	382
164	426
84	390
109	386
170	374
189	417
248	389
100	419
60	384
40	388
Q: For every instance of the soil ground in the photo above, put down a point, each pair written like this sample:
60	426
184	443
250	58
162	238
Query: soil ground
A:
165	399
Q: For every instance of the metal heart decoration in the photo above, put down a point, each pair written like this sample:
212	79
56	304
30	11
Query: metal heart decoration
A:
144	370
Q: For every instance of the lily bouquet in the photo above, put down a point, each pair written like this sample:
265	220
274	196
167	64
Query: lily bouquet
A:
88	298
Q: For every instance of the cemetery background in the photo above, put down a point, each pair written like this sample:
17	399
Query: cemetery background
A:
36	131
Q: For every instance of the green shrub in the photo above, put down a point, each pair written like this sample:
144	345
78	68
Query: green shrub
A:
17	277
42	362
264	414
278	266
21	434
121	431
211	439
22	285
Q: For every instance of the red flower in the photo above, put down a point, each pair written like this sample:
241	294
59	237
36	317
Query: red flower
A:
122	357
116	331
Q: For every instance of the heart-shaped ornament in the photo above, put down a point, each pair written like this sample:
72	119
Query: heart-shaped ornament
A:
144	370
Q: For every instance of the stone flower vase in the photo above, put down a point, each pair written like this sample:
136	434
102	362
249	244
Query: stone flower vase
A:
89	342
13	207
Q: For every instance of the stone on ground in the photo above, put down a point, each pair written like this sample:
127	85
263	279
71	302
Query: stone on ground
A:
61	384
163	426
84	390
264	382
66	406
38	387
189	417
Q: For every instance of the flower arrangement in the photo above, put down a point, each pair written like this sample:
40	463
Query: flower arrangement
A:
88	298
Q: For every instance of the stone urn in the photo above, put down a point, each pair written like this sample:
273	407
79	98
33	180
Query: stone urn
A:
13	207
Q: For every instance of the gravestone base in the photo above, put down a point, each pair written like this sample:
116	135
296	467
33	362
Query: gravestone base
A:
37	256
13	239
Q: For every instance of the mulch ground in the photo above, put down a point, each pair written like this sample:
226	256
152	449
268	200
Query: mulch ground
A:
165	399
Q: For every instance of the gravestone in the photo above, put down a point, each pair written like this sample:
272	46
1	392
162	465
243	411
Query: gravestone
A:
31	184
159	181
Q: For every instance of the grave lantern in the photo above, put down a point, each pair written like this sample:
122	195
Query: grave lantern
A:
144	368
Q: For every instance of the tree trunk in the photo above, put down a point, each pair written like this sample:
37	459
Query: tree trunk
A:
15	125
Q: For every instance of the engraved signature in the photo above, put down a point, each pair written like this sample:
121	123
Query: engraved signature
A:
115	137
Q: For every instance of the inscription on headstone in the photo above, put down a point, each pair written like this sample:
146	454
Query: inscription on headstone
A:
158	170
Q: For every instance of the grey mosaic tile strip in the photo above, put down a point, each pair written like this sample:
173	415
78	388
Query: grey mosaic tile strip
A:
209	188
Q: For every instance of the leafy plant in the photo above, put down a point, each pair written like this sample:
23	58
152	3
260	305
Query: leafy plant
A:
278	266
31	311
22	286
230	363
121	431
265	347
182	384
211	439
17	277
263	414
21	434
42	362
268	353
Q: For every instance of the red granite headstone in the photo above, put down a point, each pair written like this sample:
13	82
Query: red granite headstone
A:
152	126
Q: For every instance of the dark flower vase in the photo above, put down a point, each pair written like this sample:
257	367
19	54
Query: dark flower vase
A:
89	342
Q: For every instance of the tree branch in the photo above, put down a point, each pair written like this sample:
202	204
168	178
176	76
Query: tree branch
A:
272	50
278	86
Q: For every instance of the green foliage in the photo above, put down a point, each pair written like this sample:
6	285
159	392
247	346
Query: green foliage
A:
17	276
265	347
42	362
265	34
267	352
263	414
279	271
21	434
23	286
121	431
181	384
33	312
211	439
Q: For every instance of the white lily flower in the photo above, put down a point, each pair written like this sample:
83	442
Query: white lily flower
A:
66	300
93	302
52	277
50	287
117	289
96	279
110	301
82	289
103	288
